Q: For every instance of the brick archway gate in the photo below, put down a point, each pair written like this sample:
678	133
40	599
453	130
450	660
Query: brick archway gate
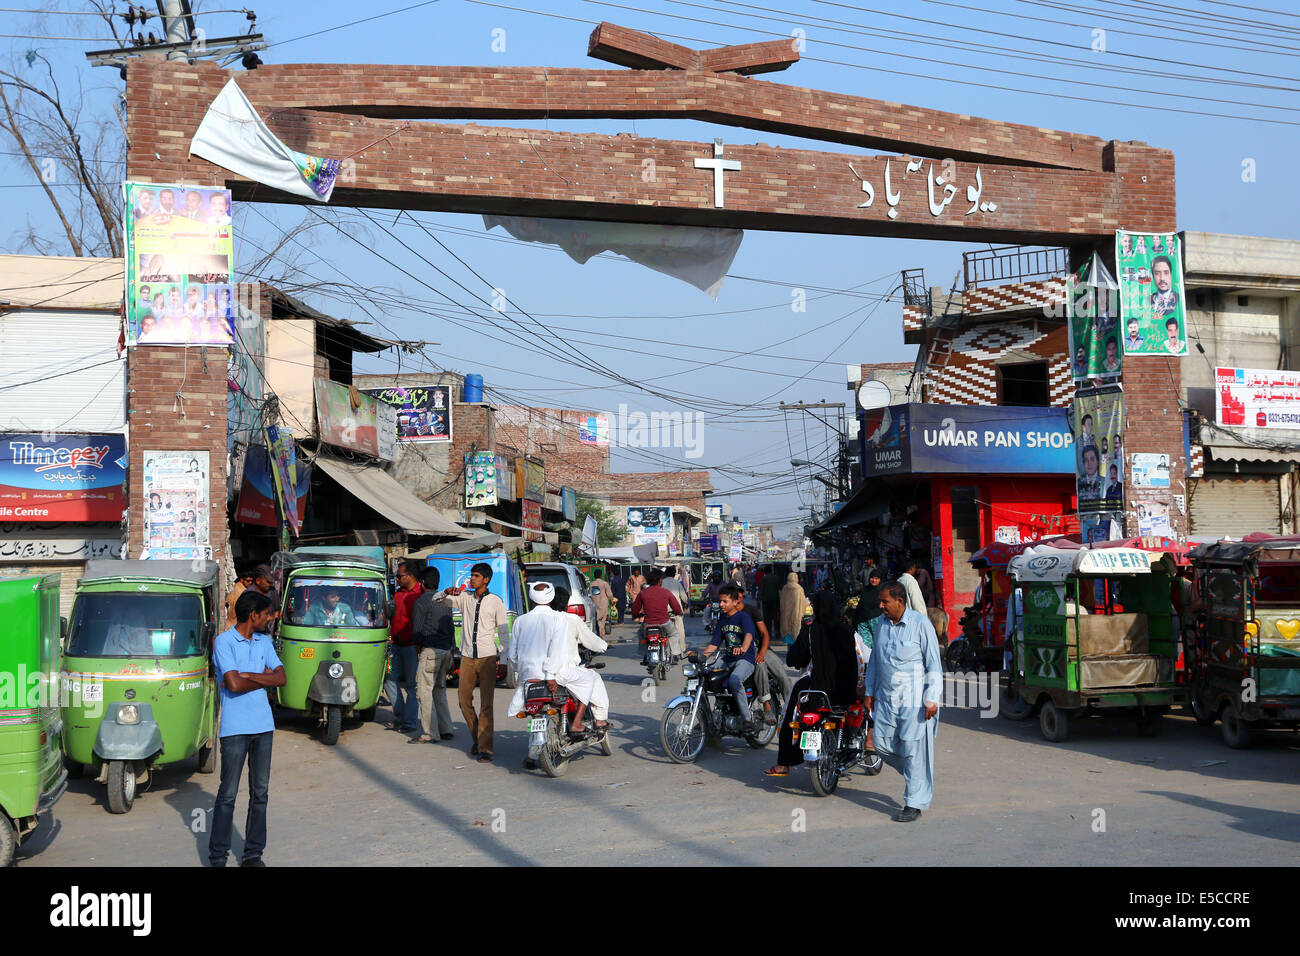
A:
958	177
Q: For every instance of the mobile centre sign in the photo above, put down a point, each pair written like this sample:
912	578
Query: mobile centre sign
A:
957	439
69	478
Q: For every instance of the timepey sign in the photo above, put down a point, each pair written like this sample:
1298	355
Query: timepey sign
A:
69	478
951	439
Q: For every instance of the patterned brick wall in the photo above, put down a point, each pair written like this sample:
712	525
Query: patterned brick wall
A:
971	374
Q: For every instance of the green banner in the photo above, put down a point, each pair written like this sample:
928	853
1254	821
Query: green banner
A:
1093	298
1153	316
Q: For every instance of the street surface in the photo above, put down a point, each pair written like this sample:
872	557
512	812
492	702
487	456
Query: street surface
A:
1004	796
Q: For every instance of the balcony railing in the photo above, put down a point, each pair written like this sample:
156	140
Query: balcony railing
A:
1007	264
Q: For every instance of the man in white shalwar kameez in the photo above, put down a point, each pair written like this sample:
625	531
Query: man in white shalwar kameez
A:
903	683
541	648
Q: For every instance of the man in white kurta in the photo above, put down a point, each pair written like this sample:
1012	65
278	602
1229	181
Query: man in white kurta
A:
903	683
541	648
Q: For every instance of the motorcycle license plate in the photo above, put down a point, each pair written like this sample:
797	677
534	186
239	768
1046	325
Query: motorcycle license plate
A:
811	740
537	725
691	686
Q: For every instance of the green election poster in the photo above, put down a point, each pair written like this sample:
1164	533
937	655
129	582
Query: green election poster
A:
1153	319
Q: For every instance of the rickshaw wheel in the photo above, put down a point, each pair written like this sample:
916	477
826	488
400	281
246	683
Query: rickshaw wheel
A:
8	842
1053	722
333	725
1236	732
208	757
1200	713
121	786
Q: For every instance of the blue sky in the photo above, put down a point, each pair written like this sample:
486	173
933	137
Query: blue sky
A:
643	324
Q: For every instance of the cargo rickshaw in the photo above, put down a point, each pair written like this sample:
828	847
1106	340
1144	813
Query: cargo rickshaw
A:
32	776
138	660
698	572
1245	667
333	633
1096	636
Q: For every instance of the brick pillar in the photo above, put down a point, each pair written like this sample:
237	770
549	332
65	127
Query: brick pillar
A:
472	426
158	422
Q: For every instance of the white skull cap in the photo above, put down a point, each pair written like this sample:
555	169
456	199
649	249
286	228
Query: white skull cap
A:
541	593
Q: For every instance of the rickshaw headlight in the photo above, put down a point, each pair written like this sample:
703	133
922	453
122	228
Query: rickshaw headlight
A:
336	671
128	714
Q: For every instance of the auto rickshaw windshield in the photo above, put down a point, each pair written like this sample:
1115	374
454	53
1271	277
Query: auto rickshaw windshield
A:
1278	585
115	624
335	602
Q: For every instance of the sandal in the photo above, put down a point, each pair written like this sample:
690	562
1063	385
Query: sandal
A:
773	772
422	739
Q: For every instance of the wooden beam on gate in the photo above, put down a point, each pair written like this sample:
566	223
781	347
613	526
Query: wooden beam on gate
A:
467	92
643	51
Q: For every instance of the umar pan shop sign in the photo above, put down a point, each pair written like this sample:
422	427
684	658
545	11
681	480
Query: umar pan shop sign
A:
960	439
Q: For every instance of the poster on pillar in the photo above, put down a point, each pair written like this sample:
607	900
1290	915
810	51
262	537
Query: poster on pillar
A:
1093	299
1152	311
179	260
1099	449
175	490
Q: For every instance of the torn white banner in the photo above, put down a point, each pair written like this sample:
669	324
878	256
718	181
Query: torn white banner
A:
234	137
695	254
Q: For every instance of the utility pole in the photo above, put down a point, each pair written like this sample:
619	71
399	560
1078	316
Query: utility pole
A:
842	463
181	39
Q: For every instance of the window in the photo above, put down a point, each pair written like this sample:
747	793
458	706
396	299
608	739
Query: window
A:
335	602
136	625
1023	384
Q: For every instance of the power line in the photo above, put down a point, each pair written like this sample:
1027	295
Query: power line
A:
352	23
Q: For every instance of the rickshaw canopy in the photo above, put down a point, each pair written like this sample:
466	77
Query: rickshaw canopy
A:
201	574
1258	547
1055	565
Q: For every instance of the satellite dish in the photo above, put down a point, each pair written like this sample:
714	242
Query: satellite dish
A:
873	395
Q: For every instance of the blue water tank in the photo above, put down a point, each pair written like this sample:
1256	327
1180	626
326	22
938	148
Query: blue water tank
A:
473	388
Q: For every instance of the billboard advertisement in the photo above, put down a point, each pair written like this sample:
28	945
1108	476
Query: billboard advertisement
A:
1257	398
350	419
569	504
257	492
653	520
423	411
594	430
532	519
68	478
481	479
530	479
179	260
175	491
1153	318
959	439
1099	440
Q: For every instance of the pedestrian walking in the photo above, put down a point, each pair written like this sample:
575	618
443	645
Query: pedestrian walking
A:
483	627
602	595
247	664
618	584
399	686
634	585
435	632
903	683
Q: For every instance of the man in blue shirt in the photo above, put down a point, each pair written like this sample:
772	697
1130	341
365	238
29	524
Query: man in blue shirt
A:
246	665
902	684
735	632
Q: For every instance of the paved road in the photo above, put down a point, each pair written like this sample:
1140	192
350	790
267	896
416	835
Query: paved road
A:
1004	796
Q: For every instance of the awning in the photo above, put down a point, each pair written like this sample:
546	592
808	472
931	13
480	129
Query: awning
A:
867	504
1246	453
382	492
474	545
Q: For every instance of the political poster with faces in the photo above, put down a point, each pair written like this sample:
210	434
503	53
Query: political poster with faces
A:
175	488
1099	449
1153	318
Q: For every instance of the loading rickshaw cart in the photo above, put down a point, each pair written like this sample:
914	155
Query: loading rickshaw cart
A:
1098	635
1245	667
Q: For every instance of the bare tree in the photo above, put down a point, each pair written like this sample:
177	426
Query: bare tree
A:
76	152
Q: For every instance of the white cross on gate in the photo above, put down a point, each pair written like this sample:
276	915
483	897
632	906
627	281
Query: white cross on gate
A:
717	164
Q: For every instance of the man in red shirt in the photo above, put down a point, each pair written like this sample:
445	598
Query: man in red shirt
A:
657	604
399	686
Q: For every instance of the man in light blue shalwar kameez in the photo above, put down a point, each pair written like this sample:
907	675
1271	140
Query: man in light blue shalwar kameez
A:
903	686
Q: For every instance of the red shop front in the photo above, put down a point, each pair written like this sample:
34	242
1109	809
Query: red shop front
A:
972	474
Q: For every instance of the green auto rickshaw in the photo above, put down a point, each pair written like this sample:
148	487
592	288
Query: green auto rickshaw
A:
138	662
32	777
333	633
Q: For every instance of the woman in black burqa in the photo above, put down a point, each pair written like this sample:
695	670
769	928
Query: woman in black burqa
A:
827	652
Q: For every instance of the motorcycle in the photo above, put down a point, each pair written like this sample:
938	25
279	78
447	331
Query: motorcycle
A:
550	742
966	653
707	709
657	655
711	615
833	740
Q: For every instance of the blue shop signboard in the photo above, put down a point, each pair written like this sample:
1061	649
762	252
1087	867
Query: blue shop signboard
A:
966	439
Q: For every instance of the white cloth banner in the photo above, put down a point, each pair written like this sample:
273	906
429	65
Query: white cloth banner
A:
695	254
234	137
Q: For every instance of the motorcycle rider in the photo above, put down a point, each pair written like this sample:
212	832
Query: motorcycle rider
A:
767	667
656	604
677	634
584	683
736	632
540	650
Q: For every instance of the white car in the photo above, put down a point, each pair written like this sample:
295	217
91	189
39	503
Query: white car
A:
560	575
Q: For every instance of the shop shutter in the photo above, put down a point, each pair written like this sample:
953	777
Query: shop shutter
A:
1235	506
